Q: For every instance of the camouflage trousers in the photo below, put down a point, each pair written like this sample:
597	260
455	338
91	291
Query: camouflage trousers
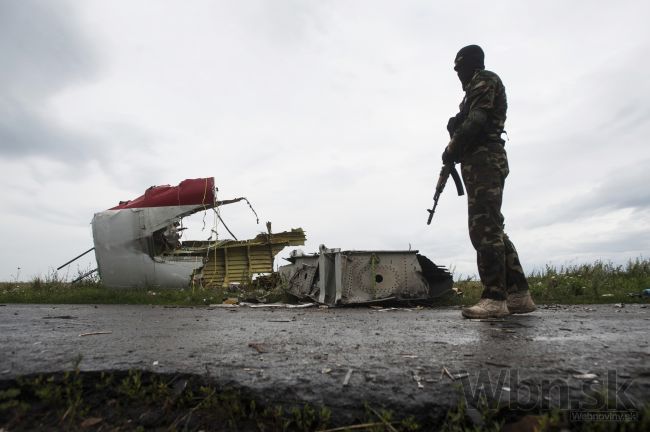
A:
484	173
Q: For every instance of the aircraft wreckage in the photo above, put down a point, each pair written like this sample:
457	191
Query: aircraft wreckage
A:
336	277
138	244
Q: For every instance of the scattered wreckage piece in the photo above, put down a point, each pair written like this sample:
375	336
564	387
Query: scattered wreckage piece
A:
137	243
336	277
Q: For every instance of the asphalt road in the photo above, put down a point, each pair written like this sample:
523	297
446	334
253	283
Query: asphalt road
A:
343	357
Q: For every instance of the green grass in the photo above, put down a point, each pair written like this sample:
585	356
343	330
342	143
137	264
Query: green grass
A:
142	400
95	293
53	290
599	282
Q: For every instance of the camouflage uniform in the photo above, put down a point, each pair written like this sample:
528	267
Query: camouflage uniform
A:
484	167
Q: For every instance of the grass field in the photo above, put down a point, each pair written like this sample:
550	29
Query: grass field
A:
599	282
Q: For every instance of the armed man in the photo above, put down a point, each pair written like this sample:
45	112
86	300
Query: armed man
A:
477	145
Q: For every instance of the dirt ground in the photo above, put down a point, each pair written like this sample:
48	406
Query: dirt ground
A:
418	361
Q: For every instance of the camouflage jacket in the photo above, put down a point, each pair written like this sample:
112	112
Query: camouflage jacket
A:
484	92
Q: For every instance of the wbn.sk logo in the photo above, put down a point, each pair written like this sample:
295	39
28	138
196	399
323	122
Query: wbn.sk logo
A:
596	394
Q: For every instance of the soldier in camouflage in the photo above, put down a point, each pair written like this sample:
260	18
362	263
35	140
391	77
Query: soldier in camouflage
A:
477	144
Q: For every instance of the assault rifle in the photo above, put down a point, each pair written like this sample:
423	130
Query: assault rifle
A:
445	172
449	169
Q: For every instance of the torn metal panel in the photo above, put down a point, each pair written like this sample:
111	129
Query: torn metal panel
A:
299	276
330	275
137	243
347	277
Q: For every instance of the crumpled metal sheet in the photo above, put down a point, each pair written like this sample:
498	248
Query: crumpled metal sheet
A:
126	251
336	277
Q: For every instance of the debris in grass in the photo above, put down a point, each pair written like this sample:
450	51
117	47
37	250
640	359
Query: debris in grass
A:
326	370
411	356
231	301
585	376
417	379
346	380
95	333
451	376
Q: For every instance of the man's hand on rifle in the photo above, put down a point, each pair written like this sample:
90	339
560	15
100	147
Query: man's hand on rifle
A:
447	157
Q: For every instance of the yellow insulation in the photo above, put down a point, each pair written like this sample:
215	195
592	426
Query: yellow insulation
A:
233	261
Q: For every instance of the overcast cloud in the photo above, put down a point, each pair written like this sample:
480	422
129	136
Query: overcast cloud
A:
43	53
329	115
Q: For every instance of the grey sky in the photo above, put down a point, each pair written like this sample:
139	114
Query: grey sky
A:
43	53
329	115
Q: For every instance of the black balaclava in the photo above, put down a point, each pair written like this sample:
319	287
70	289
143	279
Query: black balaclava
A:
468	60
